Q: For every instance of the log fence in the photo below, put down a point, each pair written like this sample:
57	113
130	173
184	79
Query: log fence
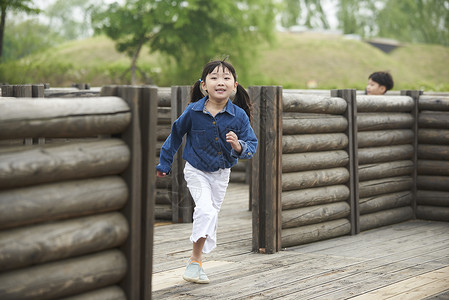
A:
349	163
433	158
76	211
84	197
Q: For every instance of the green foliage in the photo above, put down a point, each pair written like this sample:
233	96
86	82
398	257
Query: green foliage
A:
27	37
189	32
309	13
71	17
330	60
12	5
419	21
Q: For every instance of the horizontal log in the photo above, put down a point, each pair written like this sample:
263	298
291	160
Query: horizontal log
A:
368	139
313	142
295	162
385	217
438	103
107	293
433	213
314	196
314	214
306	123
384	154
163	182
71	93
433	167
163	132
64	278
164	116
433	183
240	177
436	152
376	103
433	136
383	170
163	196
164	96
433	119
383	121
312	103
23	166
383	202
241	166
315	178
313	233
25	246
163	212
50	202
385	186
38	117
432	198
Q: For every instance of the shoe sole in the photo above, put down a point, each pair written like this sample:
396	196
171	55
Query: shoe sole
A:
195	280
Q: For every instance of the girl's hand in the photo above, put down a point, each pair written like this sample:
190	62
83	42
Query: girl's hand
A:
160	174
232	139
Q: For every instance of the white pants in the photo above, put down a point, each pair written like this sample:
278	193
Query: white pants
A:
208	190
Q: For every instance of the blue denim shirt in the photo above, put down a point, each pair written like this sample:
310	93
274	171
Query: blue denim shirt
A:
206	147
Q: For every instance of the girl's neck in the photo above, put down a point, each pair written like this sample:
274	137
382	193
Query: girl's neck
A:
214	107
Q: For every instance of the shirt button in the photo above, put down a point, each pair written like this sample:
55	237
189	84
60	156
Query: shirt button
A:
213	123
216	139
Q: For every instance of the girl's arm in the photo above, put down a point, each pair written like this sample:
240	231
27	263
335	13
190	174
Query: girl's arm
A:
247	141
179	128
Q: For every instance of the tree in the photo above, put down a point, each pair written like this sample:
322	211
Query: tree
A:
71	17
423	21
26	37
189	32
18	5
311	11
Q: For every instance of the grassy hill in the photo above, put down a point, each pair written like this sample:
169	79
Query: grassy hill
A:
330	61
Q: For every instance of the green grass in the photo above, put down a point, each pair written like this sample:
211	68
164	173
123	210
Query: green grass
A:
330	60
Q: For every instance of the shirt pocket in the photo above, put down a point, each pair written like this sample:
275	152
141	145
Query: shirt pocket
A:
199	138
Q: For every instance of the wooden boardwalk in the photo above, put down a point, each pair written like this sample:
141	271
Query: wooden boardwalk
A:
409	260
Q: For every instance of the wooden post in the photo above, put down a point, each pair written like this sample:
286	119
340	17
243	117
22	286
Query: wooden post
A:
148	117
23	91
182	202
37	90
351	115
266	168
131	284
7	90
415	113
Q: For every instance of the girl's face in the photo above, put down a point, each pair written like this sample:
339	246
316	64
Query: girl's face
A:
219	84
373	88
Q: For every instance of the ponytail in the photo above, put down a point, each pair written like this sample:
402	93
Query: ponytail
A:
242	100
195	92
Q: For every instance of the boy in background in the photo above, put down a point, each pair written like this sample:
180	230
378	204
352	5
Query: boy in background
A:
379	83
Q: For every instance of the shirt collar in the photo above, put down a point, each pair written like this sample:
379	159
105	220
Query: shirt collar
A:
199	106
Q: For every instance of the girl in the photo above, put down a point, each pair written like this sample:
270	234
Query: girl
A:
218	134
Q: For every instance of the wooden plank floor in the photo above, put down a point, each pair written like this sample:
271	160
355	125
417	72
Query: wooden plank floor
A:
409	260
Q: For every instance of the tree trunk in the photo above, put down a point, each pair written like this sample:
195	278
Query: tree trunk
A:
2	29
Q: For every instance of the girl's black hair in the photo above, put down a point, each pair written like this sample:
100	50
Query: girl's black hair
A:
241	98
382	78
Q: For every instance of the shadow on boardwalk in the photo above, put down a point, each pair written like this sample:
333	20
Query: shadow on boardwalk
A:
409	260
